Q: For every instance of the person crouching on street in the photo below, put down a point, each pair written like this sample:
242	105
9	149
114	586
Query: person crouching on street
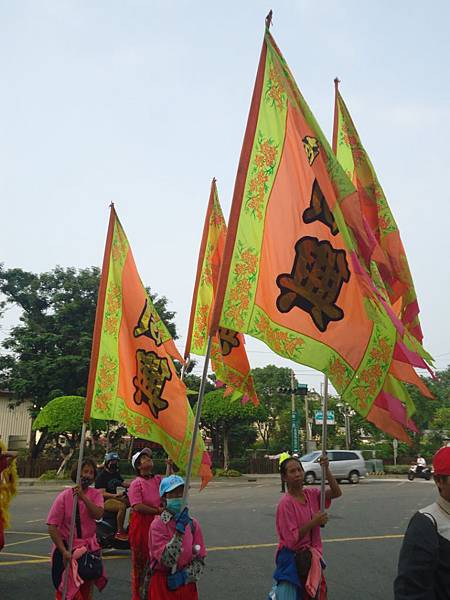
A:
89	509
177	549
424	561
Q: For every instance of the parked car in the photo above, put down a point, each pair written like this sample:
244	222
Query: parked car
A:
344	464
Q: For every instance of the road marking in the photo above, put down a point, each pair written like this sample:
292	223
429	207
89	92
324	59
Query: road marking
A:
35	521
8	531
325	541
43	559
21	554
43	537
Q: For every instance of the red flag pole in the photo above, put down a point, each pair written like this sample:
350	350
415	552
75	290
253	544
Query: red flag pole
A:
336	113
239	186
91	379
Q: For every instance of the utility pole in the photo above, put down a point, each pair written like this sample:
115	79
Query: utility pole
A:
348	438
294	417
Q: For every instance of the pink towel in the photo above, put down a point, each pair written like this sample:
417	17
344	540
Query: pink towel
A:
75	581
315	573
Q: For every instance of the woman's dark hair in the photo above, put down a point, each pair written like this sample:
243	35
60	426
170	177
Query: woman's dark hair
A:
84	462
284	464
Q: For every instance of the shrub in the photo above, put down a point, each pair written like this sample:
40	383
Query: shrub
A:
227	473
396	469
51	474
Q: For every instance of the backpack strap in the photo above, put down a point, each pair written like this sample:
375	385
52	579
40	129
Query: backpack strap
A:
78	522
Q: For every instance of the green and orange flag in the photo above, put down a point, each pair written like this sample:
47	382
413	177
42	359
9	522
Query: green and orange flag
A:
291	273
228	356
132	378
385	257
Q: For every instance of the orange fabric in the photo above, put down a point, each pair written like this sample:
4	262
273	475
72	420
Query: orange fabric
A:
382	419
284	226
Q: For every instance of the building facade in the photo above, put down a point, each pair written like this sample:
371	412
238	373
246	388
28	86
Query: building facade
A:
15	423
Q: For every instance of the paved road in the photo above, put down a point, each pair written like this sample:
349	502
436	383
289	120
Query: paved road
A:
362	541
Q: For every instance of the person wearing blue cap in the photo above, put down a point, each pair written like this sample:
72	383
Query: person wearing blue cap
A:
177	549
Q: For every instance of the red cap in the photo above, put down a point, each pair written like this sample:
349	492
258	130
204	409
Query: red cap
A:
441	461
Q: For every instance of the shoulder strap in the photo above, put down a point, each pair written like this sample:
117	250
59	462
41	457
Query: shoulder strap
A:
432	519
78	522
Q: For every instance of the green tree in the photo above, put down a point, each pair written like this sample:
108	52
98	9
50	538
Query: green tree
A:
48	353
62	417
220	414
267	381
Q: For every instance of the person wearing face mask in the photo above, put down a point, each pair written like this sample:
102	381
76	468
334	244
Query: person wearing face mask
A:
107	481
145	502
89	508
177	549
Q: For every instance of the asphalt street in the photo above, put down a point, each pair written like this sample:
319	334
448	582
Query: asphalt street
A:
361	540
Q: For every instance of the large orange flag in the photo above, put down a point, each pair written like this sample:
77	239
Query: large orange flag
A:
291	274
228	356
386	251
132	378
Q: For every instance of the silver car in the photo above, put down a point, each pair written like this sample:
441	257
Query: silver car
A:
344	464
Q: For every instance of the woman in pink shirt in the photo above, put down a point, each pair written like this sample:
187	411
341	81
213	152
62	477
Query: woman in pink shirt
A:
177	549
145	502
298	522
89	508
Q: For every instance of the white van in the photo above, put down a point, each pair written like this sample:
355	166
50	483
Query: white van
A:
344	464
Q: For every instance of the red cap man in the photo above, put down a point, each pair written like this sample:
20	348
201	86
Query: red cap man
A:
441	461
441	467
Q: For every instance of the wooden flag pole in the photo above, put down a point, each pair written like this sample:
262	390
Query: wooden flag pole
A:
74	508
198	413
91	377
324	440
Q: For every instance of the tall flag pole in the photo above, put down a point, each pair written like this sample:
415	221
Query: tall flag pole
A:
228	356
292	275
387	263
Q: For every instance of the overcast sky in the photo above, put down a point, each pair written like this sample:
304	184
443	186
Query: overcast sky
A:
143	102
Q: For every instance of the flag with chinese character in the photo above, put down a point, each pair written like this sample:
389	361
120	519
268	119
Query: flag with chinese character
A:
228	356
387	253
132	378
291	273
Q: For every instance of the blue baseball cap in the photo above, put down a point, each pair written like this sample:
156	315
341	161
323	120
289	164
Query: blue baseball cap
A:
170	483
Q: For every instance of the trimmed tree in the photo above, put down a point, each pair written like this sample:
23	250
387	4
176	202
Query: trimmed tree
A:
63	416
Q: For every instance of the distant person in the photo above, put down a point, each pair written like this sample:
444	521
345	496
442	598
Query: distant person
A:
420	462
299	564
177	549
424	561
107	481
145	502
8	486
89	509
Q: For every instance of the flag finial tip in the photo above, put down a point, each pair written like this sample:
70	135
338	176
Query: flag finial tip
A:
337	81
111	205
269	19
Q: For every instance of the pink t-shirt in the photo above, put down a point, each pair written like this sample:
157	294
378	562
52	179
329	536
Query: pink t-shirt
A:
292	515
60	515
145	491
161	533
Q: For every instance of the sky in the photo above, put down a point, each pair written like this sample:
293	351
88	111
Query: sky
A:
143	102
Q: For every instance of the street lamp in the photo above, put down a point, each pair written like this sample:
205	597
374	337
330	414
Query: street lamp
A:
347	412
